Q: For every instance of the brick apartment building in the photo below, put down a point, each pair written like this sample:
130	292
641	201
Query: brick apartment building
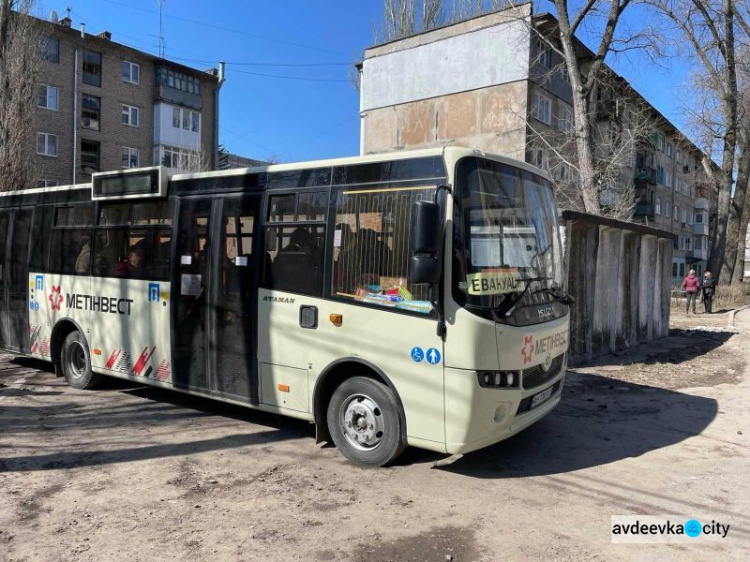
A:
492	82
118	108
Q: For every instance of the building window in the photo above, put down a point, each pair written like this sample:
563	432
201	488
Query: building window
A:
539	158
542	108
676	212
565	121
46	183
688	243
46	144
682	270
690	217
674	269
48	97
173	79
182	159
668	208
544	56
699	218
564	172
131	72
186	120
91	112
668	178
130	157
50	47
670	149
660	174
657	210
92	68
130	115
90	151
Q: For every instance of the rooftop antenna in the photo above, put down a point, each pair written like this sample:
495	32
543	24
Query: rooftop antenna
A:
69	10
162	47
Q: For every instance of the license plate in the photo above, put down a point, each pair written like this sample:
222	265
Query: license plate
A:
541	397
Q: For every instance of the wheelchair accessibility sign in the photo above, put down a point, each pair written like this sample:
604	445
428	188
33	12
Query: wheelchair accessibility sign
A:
432	355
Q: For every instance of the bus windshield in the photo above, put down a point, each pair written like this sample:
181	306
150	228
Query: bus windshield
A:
506	236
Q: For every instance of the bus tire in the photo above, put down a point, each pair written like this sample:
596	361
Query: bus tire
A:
364	422
76	362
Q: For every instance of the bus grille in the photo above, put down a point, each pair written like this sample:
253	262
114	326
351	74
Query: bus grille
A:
536	376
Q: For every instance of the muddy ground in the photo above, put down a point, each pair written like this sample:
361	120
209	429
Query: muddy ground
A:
133	473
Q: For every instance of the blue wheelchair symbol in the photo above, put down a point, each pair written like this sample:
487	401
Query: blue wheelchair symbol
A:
417	354
433	356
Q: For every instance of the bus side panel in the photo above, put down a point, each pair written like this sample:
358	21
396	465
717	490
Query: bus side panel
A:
53	297
386	339
130	333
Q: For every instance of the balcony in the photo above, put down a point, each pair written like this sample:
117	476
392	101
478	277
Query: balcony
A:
177	97
701	203
700	229
700	254
645	174
644	210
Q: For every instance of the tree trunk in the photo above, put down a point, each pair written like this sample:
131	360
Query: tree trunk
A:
582	126
736	208
716	259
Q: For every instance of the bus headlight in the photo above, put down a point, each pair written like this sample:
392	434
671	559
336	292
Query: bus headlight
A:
499	379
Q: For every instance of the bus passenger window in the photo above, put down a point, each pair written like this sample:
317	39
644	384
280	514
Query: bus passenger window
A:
294	259
132	253
70	251
371	249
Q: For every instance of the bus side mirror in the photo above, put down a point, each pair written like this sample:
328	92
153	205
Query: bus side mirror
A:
425	227
424	269
426	233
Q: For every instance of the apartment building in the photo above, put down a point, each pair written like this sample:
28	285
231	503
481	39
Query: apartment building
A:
494	83
103	106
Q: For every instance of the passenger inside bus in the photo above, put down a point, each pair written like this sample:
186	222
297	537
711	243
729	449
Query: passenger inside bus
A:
83	261
297	266
130	266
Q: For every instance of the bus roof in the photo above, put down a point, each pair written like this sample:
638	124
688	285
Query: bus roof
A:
451	153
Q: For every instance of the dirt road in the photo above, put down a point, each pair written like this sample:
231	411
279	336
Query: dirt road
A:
132	473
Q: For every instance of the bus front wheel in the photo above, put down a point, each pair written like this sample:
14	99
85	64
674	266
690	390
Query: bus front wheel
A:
364	422
76	362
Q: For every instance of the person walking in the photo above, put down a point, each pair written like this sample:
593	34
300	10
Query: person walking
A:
709	290
692	286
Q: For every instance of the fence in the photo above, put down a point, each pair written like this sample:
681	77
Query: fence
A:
621	275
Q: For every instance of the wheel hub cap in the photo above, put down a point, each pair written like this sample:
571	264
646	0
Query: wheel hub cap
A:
362	422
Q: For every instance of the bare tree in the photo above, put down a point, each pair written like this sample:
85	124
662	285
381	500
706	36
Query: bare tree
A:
709	27
19	59
617	139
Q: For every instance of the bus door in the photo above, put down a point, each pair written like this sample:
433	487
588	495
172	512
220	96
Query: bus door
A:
235	286
214	314
15	229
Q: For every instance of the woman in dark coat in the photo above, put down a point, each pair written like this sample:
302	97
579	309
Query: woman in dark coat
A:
709	290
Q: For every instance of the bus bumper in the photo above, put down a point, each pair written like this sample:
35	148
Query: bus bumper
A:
477	417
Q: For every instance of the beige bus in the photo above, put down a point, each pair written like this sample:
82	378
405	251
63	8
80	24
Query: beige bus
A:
413	298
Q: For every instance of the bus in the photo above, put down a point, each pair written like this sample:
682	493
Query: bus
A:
414	298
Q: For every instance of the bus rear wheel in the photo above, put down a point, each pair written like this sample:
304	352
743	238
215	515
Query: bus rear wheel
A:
76	363
364	422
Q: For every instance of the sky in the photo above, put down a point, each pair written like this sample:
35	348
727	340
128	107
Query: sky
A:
288	95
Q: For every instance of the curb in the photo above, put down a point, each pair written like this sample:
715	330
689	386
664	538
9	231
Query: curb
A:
732	313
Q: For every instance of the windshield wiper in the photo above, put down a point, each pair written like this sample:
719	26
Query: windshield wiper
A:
558	294
528	281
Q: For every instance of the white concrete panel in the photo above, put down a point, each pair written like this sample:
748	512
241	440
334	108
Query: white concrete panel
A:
486	57
166	134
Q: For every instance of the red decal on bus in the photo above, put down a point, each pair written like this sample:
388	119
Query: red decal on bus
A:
112	358
142	360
